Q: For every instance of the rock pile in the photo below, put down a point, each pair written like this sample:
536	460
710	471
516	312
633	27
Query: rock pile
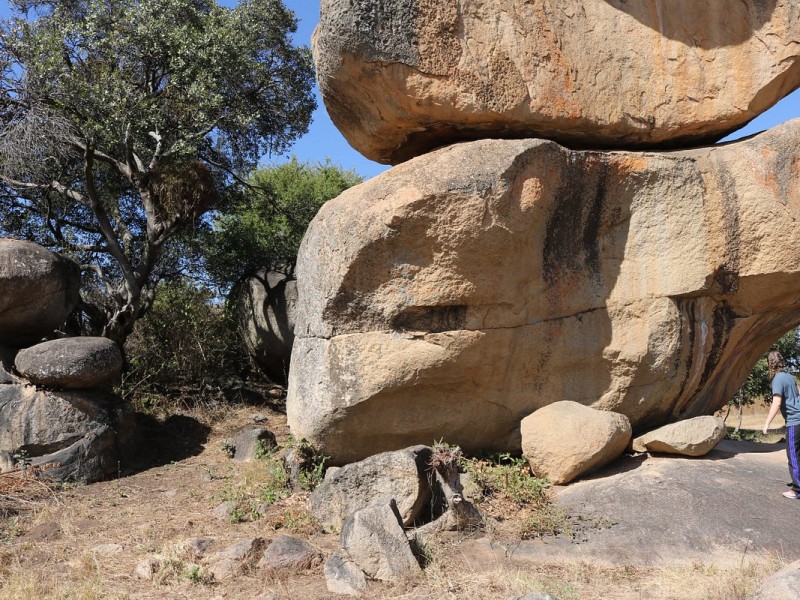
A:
57	412
466	288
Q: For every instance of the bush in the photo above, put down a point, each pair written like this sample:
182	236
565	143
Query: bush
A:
187	342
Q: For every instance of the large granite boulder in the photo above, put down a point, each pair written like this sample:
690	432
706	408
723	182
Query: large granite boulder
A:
266	313
72	363
565	440
38	290
76	436
457	293
401	77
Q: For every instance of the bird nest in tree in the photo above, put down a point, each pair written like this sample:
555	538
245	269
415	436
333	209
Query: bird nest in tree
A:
183	191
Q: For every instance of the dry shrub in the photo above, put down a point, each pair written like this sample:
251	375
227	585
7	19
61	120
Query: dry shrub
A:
183	192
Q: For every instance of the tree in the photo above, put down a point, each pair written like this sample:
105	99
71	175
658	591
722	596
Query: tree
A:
123	121
758	384
264	226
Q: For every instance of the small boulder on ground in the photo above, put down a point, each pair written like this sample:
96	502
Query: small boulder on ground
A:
288	552
251	442
691	437
72	363
398	476
38	290
374	539
342	575
565	440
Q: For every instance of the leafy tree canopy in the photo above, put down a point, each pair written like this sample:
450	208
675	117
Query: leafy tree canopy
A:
123	121
264	226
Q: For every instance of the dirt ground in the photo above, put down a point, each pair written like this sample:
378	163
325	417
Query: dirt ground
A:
84	542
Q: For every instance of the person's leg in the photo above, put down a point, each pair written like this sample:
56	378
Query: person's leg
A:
793	453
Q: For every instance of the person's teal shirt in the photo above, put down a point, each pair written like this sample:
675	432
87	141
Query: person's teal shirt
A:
785	385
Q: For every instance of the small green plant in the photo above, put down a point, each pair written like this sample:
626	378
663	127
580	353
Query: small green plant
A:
547	520
227	447
310	462
509	476
195	574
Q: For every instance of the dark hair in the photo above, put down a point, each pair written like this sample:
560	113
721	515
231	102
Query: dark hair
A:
774	361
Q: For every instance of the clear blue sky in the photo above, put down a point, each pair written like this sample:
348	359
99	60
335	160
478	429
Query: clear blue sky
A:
324	141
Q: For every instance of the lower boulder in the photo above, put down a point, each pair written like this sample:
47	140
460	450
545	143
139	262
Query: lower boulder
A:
692	437
72	436
565	440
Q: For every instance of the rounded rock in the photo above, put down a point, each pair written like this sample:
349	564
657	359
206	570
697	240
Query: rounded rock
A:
38	290
72	363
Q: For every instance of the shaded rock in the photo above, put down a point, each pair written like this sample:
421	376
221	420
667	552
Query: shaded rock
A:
643	284
287	552
402	77
78	436
6	365
783	585
374	539
398	476
565	440
692	437
251	442
266	312
72	363
38	290
342	575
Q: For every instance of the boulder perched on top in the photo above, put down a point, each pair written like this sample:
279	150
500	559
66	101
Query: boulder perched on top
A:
75	436
691	437
266	312
38	290
565	440
72	363
399	476
401	77
455	294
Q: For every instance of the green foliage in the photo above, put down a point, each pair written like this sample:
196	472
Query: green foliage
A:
122	121
186	340
312	463
510	477
757	384
262	228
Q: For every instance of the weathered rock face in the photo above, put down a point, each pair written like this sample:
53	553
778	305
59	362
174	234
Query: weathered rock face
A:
266	310
38	290
398	476
79	434
457	293
401	77
692	437
72	363
565	440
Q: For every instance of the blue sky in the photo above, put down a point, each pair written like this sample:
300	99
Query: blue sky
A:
323	140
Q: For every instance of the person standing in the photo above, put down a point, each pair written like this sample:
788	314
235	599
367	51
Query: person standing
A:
786	399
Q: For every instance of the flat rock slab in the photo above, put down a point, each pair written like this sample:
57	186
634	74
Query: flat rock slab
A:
672	511
72	363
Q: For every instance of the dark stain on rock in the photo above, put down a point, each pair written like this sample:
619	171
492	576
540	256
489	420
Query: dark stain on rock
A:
572	239
432	319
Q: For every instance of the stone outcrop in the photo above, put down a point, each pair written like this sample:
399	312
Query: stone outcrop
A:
401	77
72	363
398	476
74	436
38	290
266	313
459	292
782	585
565	440
692	437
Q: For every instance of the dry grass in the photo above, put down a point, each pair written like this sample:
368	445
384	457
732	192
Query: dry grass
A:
54	547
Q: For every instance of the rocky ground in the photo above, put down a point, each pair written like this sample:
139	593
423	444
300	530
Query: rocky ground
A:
651	527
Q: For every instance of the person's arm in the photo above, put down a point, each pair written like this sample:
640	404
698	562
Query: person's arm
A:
773	410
